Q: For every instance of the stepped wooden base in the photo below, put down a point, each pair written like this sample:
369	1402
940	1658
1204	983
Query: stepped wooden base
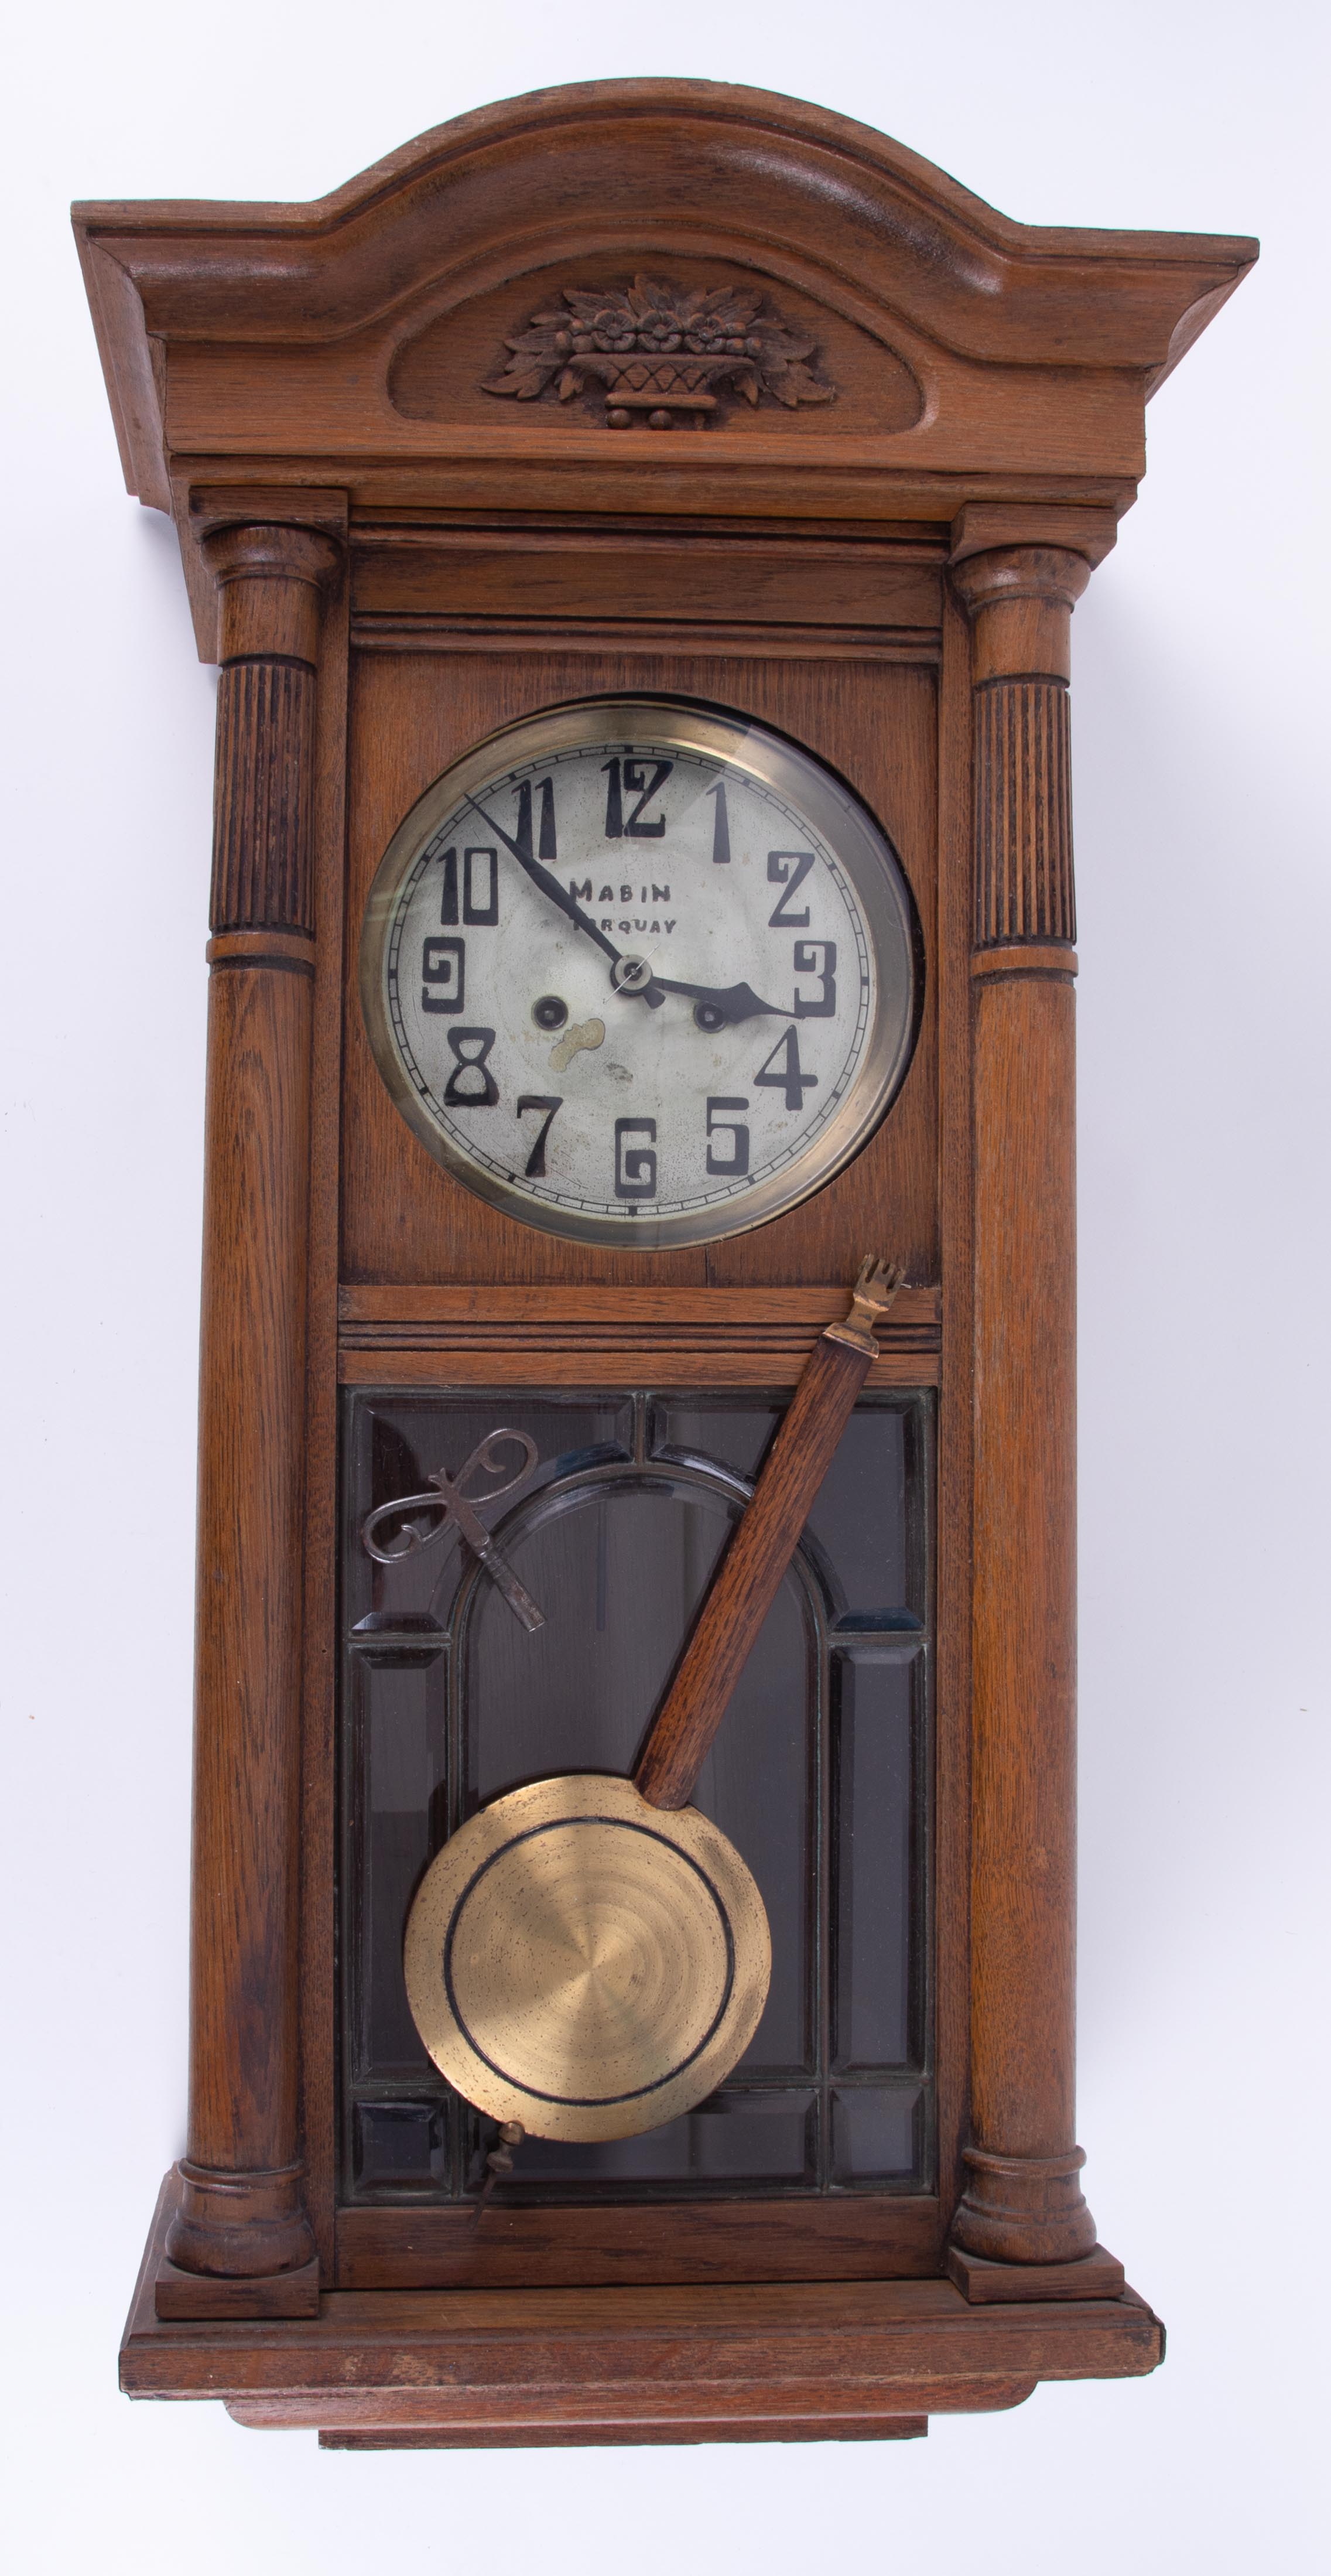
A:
735	2362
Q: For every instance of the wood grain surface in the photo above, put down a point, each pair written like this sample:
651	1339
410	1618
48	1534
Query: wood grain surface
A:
855	2236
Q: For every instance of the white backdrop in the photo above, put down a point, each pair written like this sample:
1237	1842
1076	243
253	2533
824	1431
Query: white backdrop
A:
1200	726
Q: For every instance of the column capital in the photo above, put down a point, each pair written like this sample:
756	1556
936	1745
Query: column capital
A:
1020	601
271	581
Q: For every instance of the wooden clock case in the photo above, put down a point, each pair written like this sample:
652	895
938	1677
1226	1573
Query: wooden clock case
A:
878	556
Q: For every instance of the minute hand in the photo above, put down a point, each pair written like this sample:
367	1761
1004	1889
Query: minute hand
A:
734	1001
567	903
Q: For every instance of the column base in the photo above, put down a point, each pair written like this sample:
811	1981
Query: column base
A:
183	2298
239	2226
1024	2209
1096	2275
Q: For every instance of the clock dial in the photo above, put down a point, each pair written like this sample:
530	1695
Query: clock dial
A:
640	973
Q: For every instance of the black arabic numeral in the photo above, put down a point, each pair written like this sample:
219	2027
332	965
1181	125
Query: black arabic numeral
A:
635	1165
443	973
791	1077
448	895
779	865
467	1065
629	778
534	1167
807	954
720	826
547	848
480	889
637	783
547	851
738	1133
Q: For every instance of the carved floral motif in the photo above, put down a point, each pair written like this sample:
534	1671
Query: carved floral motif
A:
662	351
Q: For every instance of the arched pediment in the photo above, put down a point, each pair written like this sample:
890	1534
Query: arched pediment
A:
899	325
729	166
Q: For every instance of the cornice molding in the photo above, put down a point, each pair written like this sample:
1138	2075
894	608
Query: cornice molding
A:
726	172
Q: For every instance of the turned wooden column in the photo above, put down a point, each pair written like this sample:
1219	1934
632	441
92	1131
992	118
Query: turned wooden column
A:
241	2212
1023	2200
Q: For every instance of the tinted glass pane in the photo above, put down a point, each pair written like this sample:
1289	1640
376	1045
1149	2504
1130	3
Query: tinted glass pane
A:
872	1775
858	1524
735	1434
619	1574
873	2134
401	1736
735	2138
399	2146
859	1518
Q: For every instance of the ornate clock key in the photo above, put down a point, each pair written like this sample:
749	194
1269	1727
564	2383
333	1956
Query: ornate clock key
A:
590	1956
446	1497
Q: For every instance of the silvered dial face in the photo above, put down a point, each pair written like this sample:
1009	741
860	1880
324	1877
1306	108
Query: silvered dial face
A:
639	973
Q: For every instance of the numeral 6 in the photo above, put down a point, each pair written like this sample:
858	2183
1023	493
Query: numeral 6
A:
635	1165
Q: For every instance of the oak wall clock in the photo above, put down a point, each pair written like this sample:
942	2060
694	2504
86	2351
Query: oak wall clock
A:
638	526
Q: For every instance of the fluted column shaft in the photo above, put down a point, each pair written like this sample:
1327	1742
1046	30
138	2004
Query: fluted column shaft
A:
1023	2200
241	2214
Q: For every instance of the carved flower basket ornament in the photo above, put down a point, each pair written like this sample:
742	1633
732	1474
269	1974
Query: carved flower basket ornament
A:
663	351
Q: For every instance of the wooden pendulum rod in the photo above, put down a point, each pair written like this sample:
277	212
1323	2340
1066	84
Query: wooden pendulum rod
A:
759	1554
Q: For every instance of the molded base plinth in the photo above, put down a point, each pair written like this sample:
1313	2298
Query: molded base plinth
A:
765	2361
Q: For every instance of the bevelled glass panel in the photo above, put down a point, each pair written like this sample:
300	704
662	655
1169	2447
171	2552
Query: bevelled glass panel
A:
619	1572
874	2133
858	1524
737	1435
401	1734
871	1770
735	2137
858	1520
399	2146
399	1446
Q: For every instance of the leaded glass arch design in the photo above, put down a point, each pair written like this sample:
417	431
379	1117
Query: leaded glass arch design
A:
820	1775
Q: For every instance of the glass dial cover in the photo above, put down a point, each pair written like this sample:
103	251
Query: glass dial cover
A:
640	973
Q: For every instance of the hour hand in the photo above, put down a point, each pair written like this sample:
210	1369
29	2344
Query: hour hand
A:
723	1006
